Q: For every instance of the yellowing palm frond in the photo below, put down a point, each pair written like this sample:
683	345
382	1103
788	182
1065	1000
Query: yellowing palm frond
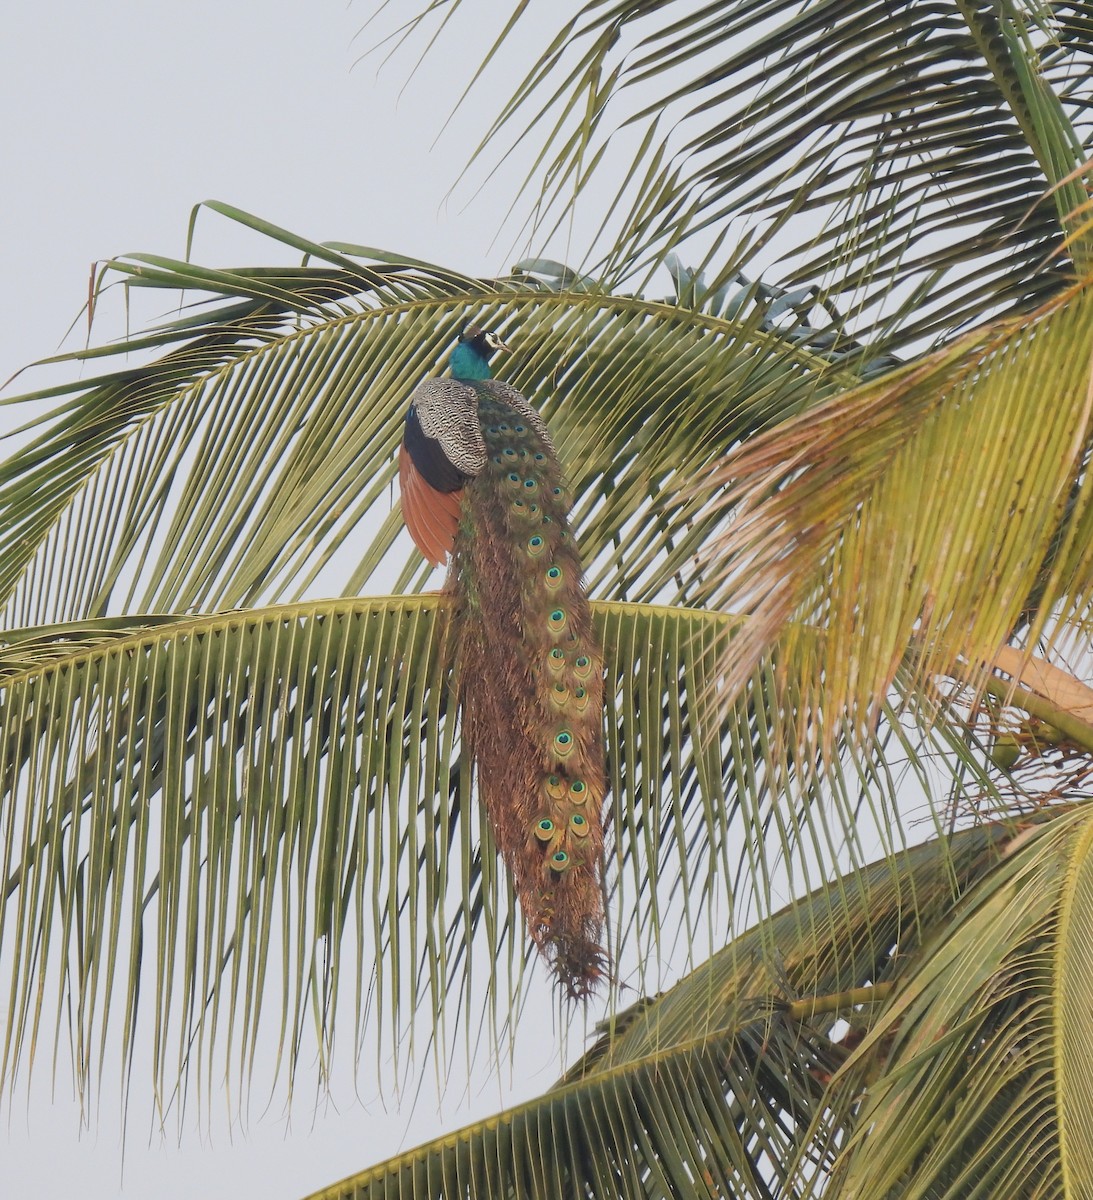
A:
933	513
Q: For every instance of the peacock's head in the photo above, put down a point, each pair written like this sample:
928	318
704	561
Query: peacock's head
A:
483	341
471	356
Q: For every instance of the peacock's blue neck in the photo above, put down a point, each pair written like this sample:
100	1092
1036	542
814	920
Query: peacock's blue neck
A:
467	364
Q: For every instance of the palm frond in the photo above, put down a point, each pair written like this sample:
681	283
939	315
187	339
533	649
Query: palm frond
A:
245	814
987	1039
201	804
276	794
914	161
252	465
937	512
720	1085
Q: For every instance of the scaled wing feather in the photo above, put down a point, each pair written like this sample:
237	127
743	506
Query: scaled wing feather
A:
447	411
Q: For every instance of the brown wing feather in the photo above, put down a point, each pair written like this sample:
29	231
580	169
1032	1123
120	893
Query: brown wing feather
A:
432	517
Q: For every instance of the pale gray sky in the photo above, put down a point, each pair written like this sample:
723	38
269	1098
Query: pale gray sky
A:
115	119
118	117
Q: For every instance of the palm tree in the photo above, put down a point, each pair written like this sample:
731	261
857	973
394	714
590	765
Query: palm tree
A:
838	518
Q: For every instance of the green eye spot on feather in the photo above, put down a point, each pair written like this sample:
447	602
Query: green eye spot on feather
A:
497	458
536	545
530	484
544	829
558	654
492	431
557	491
540	456
509	452
579	825
554	575
563	741
503	428
557	619
555	787
520	428
533	509
577	790
559	860
582	666
513	477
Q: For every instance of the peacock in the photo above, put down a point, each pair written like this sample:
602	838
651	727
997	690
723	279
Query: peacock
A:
480	481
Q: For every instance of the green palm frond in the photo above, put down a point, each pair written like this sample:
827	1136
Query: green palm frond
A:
984	1088
176	792
253	464
913	160
273	801
722	1085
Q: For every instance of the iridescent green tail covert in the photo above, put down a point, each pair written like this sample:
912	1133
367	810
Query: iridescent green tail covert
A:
530	675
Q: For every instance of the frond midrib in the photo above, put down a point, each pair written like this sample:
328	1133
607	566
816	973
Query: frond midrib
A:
168	628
